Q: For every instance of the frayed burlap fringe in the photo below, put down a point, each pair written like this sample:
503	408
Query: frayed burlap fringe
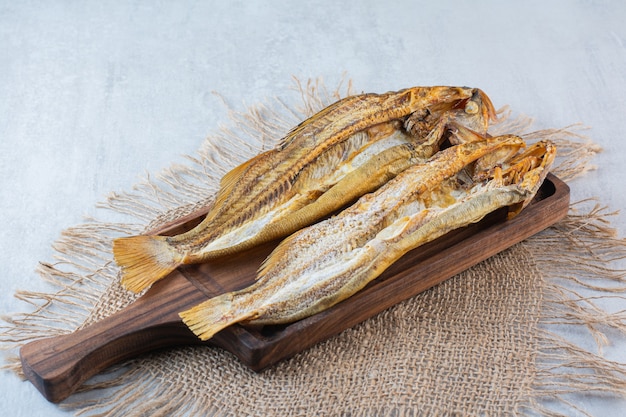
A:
486	342
578	274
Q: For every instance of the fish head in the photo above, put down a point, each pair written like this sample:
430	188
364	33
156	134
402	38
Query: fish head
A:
474	113
525	171
462	106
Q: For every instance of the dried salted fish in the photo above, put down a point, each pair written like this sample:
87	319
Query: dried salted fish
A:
327	262
346	150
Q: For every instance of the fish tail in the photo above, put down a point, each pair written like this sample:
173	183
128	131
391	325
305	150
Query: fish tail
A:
144	260
213	315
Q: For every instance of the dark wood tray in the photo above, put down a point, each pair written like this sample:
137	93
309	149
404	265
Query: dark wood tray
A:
59	365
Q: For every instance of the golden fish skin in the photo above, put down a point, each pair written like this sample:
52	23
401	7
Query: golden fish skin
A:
329	261
362	140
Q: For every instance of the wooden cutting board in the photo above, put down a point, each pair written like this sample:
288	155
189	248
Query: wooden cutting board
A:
57	366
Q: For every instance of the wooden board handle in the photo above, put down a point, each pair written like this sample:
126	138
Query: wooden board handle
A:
57	366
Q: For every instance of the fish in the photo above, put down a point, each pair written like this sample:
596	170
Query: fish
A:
349	148
327	262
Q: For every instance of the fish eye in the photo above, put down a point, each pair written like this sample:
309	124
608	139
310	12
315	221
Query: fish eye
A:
471	107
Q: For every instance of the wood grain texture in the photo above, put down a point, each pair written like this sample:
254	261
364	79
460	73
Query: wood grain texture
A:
58	366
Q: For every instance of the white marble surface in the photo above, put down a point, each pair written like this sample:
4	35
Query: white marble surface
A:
94	94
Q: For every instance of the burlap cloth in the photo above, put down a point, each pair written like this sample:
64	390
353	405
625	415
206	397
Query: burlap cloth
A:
482	343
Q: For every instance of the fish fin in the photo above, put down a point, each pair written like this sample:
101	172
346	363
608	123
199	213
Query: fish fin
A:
296	130
213	315
144	260
230	181
230	178
277	255
320	119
